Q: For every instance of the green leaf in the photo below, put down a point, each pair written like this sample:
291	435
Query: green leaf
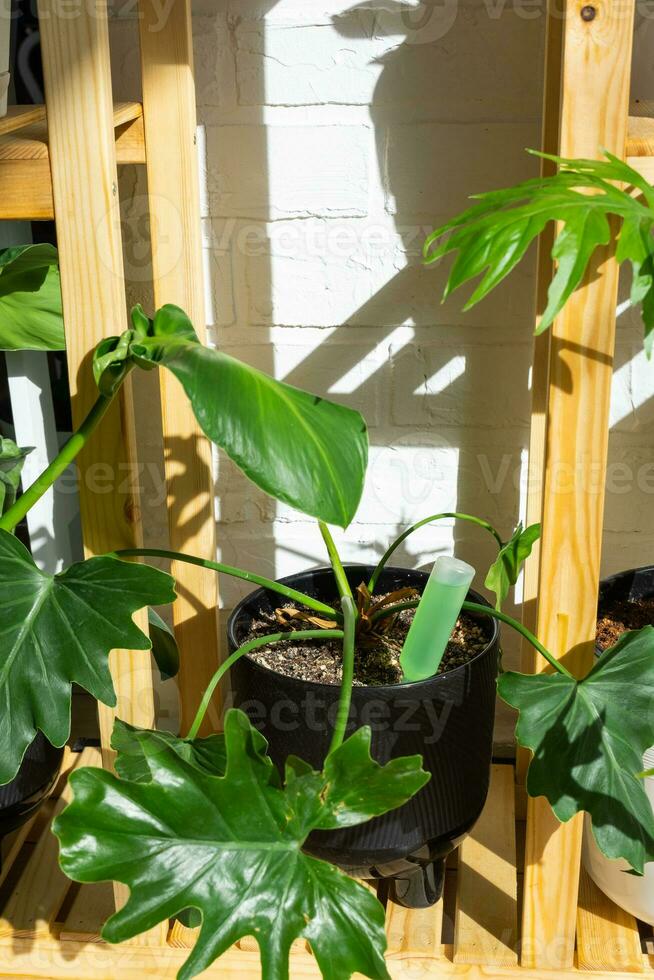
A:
230	847
12	459
492	236
112	362
588	739
504	572
305	450
164	646
30	299
58	630
208	754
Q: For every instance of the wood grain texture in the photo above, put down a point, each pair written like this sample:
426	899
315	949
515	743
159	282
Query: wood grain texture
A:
640	137
36	899
174	205
75	54
90	909
19	116
51	960
595	75
414	932
486	921
607	936
25	162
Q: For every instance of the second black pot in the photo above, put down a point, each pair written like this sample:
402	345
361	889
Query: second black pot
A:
22	797
448	719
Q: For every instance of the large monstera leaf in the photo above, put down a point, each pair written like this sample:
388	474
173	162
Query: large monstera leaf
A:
305	450
588	739
230	846
58	630
492	236
30	299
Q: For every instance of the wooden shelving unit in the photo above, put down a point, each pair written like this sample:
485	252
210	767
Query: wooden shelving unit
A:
516	903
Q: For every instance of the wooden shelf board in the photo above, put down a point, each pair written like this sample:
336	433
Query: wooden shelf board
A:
25	164
19	116
61	938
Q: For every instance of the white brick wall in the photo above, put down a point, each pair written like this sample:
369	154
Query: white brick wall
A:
335	140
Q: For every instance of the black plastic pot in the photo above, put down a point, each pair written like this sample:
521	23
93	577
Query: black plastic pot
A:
636	583
448	719
23	796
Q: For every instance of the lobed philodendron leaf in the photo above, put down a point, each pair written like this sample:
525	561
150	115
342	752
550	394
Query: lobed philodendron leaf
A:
492	236
164	645
305	450
58	630
504	571
231	846
31	316
588	739
12	459
132	762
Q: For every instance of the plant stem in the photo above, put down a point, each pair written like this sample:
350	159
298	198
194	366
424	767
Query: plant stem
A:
336	563
216	566
260	641
486	611
519	628
414	527
345	697
69	451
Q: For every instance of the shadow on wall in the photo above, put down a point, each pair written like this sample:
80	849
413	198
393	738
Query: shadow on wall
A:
453	387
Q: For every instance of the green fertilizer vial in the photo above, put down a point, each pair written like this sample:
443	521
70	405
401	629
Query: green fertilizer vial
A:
435	618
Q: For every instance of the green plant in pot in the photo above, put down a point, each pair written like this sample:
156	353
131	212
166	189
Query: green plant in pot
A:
202	824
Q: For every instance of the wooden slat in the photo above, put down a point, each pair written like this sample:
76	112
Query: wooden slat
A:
26	191
182	937
173	184
540	360
19	116
77	76
91	908
42	887
25	166
51	960
596	58
640	139
607	936
415	932
486	922
12	846
31	142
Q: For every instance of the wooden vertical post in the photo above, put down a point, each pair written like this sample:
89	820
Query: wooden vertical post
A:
593	109
84	184
174	204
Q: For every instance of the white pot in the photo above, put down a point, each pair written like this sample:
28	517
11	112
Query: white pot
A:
5	39
630	892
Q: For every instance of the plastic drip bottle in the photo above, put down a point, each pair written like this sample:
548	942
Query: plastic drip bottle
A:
435	618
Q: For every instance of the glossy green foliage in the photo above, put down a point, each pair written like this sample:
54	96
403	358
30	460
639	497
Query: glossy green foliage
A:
504	572
12	459
302	449
58	630
588	739
230	846
492	237
30	299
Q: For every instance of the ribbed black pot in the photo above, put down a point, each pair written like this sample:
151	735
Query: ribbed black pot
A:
448	719
635	583
22	797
